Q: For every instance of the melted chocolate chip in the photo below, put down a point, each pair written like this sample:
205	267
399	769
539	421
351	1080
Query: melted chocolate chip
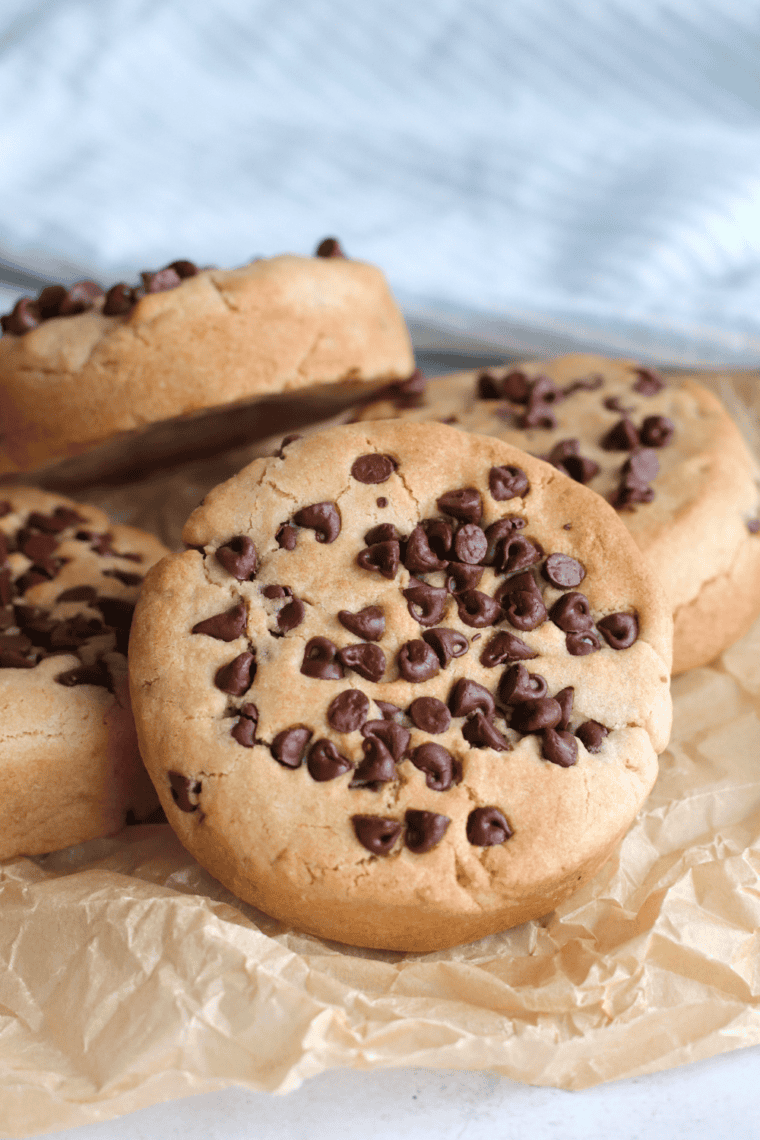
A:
325	762
523	607
394	736
417	662
78	594
365	659
517	685
15	659
564	699
440	535
516	553
23	317
440	768
591	734
538	414
515	386
6	587
419	556
368	623
56	521
329	247
377	767
120	299
237	676
323	518
381	556
497	533
566	457
465	505
184	268
477	609
376	833
373	468
657	431
37	547
571	613
559	747
487	387
387	710
480	732
426	604
161	280
430	715
619	630
585	384
404	393
507	483
462	577
182	789
466	696
383	532
446	643
424	830
86	675
487	827
244	729
348	711
291	615
583	643
470	544
239	558
562	571
504	647
124	576
648	382
227	626
288	746
319	660
637	473
622	436
75	632
382	501
286	537
534	716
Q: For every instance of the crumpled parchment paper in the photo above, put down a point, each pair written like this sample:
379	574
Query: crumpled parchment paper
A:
128	975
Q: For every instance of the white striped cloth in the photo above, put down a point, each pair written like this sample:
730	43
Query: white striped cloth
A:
532	175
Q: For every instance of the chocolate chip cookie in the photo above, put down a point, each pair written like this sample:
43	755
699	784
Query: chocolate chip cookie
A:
406	688
667	455
105	377
70	769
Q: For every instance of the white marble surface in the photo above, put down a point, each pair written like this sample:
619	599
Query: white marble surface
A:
708	1100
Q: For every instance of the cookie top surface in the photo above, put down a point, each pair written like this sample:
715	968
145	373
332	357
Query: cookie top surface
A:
404	663
665	453
283	324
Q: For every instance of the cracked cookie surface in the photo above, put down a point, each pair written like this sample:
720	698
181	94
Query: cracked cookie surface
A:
406	688
70	769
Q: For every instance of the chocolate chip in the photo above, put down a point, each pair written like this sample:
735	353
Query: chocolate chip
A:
440	768
287	440
477	609
244	729
585	384
487	827
239	558
538	414
182	789
564	699
753	526
636	474
373	468
426	604
516	553
419	556
470	544
480	732
430	715
407	393
522	603
515	386
368	623
461	577
319	660
394	736
75	632
383	532
507	483
86	675
15	659
376	833
227	626
446	643
32	578
465	505
649	382
583	643
23	317
487	387
291	615
517	685
348	711
382	501
591	734
572	613
329	247
440	536
325	762
49	301
323	518
77	298
381	556
622	436
5	508
377	767
286	537
275	591
387	710
417	662
559	747
424	830
101	544
37	547
365	659
118	613
161	280
7	618
237	676
533	716
619	630
562	571
78	594
657	431
288	746
566	457
6	587
466	696
18	642
499	531
56	521
119	300
504	647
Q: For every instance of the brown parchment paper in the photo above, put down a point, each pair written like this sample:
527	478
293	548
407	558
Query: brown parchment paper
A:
128	975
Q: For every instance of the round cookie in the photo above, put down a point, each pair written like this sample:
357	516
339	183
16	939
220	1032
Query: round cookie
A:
236	353
407	688
667	455
70	768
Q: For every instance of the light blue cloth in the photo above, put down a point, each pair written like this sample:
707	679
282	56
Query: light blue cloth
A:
531	174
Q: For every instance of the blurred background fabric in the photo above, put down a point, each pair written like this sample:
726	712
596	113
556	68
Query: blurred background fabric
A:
534	175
